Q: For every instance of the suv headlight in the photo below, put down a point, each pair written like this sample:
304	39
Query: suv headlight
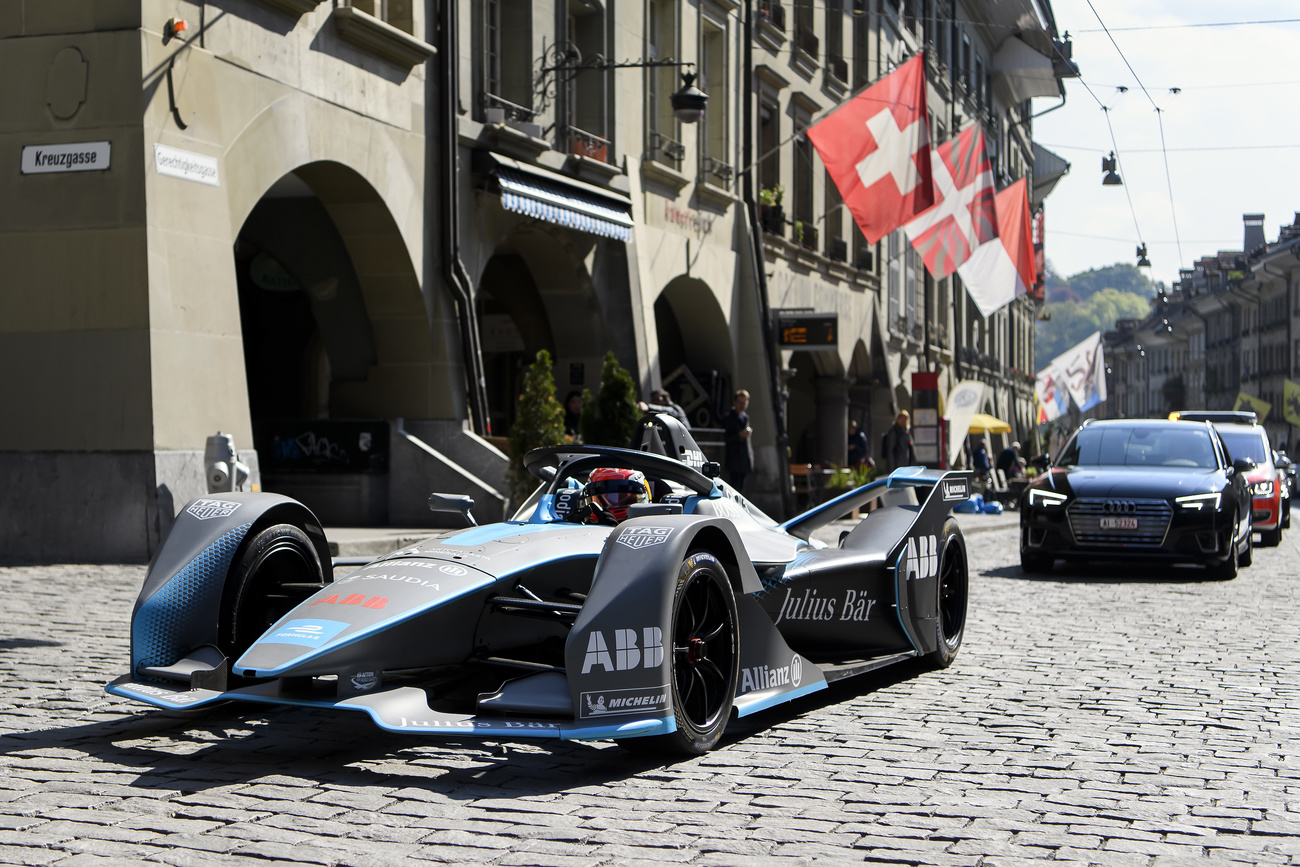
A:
1262	489
1046	499
1197	502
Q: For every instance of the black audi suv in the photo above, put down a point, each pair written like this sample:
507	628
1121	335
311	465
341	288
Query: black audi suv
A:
1137	489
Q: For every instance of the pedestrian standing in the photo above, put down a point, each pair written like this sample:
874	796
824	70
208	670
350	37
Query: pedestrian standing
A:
896	445
980	458
857	445
572	414
736	433
1007	459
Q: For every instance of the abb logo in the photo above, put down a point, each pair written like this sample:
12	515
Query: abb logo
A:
627	655
921	559
353	599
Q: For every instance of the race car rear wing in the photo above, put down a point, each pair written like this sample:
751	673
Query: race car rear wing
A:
956	487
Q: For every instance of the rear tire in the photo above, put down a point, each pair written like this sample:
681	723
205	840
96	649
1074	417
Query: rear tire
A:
951	596
278	568
704	663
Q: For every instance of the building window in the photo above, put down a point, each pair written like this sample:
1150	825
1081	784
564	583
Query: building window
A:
661	43
584	95
713	81
911	264
834	217
769	136
395	12
803	180
505	46
835	40
861	40
895	280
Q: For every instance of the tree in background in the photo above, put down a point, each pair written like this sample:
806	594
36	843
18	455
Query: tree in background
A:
1090	301
539	422
610	419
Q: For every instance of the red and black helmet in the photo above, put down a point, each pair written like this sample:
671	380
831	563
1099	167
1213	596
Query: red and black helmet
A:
613	490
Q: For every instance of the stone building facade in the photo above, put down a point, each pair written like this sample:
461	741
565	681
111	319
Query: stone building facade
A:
337	231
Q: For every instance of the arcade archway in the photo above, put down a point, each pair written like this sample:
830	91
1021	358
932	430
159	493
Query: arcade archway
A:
695	350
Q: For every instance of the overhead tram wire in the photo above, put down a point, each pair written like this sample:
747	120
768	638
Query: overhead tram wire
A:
1267	147
1191	25
1173	213
1115	150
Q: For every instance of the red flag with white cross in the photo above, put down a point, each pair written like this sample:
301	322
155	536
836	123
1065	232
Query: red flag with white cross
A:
963	216
876	148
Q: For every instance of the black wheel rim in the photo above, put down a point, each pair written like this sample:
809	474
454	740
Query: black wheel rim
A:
283	576
703	650
952	593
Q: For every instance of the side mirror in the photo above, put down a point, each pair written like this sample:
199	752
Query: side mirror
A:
1243	465
457	504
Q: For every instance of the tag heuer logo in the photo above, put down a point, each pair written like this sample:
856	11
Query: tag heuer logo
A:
204	509
640	537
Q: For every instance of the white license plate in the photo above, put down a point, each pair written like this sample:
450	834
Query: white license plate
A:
1119	523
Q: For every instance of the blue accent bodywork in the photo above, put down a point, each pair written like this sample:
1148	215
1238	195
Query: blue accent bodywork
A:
158	626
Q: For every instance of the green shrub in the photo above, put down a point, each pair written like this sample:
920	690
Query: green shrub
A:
538	422
611	418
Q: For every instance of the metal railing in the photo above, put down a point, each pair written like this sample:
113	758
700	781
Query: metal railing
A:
499	110
718	169
585	144
665	149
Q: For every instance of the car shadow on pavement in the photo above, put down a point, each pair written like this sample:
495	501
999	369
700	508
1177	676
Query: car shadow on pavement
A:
1105	573
231	746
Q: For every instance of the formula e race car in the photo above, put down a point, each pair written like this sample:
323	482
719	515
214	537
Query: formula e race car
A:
633	596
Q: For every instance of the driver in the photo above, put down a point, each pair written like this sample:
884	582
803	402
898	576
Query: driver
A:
612	490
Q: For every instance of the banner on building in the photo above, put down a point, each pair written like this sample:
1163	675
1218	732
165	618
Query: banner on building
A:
1250	403
1078	374
1051	394
876	148
963	215
1291	401
963	402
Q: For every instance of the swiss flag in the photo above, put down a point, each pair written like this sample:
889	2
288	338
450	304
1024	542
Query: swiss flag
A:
876	147
1003	268
963	215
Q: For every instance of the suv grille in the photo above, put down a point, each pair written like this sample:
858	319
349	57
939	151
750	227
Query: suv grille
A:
1152	521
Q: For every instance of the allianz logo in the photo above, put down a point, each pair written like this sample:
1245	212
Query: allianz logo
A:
767	677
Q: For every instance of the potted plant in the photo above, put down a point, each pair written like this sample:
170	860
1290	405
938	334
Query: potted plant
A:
849	478
771	215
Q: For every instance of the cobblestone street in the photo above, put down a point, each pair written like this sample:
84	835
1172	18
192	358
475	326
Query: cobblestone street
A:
1091	717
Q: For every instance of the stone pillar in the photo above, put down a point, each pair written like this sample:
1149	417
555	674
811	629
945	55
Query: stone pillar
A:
832	420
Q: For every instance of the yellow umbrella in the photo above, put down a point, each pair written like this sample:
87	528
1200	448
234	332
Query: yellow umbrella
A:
984	423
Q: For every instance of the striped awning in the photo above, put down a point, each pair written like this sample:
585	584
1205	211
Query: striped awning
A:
546	195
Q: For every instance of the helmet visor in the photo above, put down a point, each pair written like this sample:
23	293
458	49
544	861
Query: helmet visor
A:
618	493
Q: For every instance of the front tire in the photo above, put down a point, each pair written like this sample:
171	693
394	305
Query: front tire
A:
705	660
1270	538
279	568
951	597
1248	556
